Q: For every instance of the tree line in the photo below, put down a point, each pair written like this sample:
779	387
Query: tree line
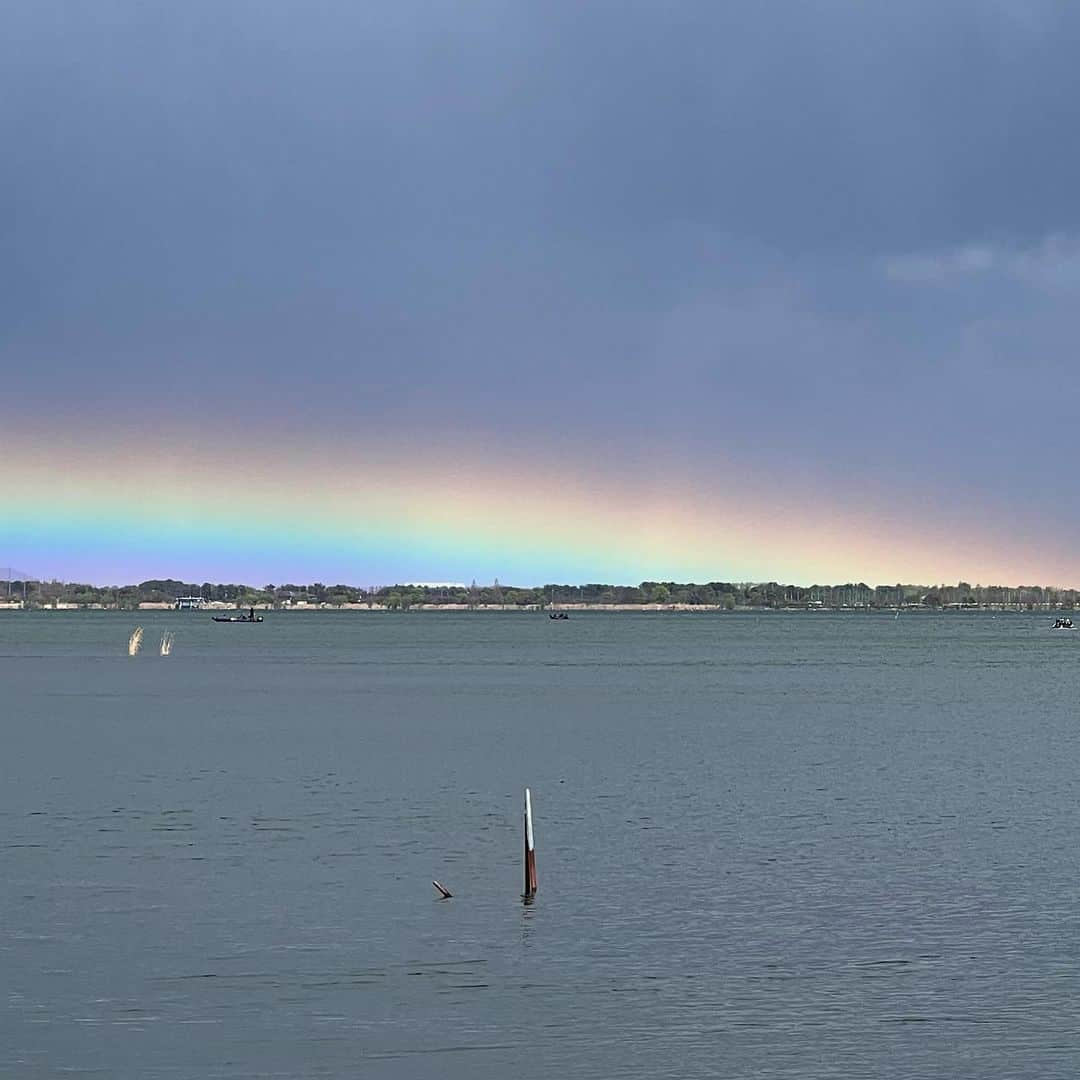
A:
724	595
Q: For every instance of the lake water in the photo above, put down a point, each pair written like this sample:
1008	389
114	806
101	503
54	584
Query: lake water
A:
769	846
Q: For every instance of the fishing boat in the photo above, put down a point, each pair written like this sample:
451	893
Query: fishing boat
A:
249	617
558	615
1063	623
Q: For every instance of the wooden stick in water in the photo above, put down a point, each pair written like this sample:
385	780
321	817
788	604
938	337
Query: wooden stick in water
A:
530	853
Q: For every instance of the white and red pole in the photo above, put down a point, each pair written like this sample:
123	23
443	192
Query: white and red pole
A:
530	853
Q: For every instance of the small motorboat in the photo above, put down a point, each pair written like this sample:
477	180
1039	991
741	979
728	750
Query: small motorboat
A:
1063	623
558	615
249	617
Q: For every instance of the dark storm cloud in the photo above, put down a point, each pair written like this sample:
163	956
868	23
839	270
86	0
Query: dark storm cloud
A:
677	222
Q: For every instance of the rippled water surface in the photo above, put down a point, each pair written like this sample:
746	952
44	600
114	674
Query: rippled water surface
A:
769	846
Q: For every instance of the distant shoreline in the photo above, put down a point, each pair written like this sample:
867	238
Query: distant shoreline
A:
649	596
534	609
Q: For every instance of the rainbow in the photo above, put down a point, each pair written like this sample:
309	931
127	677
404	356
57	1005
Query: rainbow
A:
115	511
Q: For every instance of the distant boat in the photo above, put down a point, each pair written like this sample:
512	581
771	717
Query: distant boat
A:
558	615
249	617
1063	624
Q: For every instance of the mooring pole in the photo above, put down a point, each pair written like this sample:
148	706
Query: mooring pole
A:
530	853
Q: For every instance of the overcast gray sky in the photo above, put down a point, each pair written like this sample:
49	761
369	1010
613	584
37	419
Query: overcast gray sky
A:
831	237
